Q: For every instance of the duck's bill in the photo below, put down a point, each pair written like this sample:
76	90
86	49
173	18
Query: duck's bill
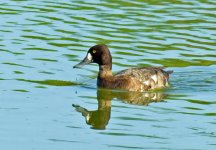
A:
85	61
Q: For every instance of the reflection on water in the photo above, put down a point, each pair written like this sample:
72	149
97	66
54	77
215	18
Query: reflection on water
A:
99	118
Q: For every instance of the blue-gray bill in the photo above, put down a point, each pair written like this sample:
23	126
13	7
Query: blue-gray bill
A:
85	61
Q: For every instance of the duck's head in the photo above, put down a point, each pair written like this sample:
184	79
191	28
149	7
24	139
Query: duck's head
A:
99	54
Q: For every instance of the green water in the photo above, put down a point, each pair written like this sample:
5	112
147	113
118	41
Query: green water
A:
41	40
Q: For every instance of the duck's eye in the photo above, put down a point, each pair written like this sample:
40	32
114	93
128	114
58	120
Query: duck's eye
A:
94	51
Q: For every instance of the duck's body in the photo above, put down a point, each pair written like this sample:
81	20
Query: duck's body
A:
134	79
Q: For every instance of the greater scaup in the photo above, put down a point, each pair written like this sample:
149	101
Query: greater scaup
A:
133	79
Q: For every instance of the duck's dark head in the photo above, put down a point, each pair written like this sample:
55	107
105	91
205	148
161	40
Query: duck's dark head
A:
99	54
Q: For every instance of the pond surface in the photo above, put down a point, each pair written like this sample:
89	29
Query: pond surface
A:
46	104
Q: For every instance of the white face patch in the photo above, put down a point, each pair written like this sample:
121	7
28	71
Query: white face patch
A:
87	117
89	56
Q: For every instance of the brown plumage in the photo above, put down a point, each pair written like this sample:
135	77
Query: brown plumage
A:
133	79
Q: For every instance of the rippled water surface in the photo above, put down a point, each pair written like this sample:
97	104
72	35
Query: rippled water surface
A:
46	104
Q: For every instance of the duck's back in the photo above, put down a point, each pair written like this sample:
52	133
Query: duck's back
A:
151	77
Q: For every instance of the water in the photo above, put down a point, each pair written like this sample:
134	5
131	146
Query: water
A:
41	40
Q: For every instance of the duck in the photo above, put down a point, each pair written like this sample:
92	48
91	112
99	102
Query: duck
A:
138	79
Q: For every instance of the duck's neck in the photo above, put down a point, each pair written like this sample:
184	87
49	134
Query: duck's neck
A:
105	71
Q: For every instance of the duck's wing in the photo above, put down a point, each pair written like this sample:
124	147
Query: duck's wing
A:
154	77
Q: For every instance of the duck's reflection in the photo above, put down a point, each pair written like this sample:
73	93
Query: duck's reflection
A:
99	118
